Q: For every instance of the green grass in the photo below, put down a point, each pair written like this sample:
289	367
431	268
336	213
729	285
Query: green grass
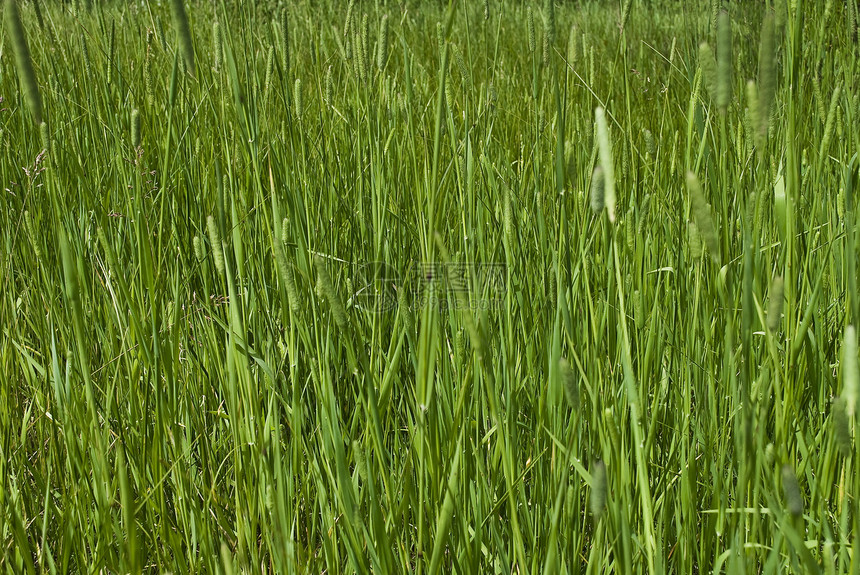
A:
202	370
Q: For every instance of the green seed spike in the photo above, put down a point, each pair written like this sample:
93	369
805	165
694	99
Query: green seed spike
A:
597	501
709	68
702	217
285	39
774	308
328	291
135	128
570	382
572	45
199	251
850	372
24	62
285	270
793	499
215	240
382	48
842	427
598	190
724	61
270	69
548	30
530	23
218	42
34	239
297	99
606	161
329	86
465	77
45	134
625	15
183	29
828	127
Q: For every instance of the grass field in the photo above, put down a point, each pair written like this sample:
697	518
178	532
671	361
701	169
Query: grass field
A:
410	287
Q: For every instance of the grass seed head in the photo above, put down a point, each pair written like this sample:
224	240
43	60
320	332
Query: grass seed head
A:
215	240
180	19
45	135
842	427
606	161
793	498
530	24
572	45
135	128
597	501
218	46
850	373
329	86
598	190
23	60
285	270
285	38
774	308
297	99
724	61
702	217
270	69
570	382
34	238
709	68
328	291
382	48
829	126
199	251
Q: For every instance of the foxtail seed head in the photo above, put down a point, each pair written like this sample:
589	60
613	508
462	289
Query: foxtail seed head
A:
135	128
285	39
26	73
850	373
598	188
793	499
570	382
702	217
45	134
199	252
215	240
530	24
180	19
329	86
285	270
218	42
465	77
382	49
774	308
270	69
597	501
724	61
606	161
709	68
842	427
326	287
297	99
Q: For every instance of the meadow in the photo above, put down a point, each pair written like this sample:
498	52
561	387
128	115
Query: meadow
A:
429	287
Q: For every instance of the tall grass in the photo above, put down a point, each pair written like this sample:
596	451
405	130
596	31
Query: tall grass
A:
420	288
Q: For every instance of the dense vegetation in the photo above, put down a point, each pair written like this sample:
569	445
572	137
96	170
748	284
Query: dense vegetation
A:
494	287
